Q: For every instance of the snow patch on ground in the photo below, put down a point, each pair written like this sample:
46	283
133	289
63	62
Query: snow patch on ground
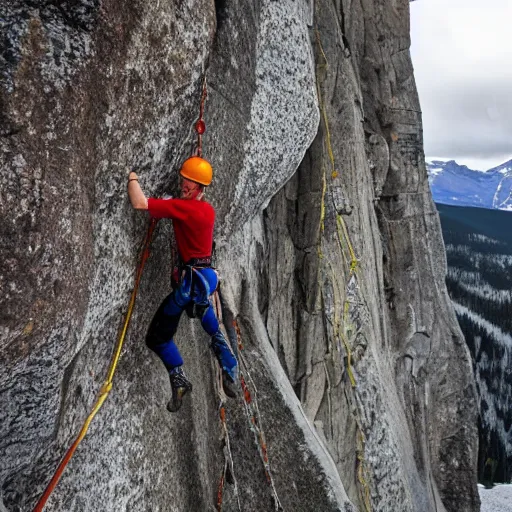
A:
482	238
496	194
497	499
481	288
492	329
493	402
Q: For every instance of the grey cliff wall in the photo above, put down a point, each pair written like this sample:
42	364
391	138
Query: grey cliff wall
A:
328	243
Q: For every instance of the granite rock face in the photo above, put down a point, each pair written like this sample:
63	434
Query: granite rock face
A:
328	245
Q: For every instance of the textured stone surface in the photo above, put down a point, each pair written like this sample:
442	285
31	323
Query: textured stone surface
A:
406	347
90	88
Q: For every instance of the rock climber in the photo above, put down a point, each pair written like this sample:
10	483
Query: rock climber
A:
194	280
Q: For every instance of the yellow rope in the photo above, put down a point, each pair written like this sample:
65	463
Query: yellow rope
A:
328	139
330	152
338	334
326	63
353	258
322	214
107	385
361	472
340	223
322	207
343	234
340	238
334	173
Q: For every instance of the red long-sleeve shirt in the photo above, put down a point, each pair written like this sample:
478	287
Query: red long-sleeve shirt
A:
193	223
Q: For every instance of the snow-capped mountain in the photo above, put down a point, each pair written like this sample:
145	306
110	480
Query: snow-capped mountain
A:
456	184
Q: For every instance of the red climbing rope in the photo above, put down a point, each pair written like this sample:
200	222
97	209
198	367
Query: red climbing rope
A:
254	417
107	385
220	491
200	125
228	468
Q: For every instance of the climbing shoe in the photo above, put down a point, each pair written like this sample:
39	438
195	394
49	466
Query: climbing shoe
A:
180	386
229	385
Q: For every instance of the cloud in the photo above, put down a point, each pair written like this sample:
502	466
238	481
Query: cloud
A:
461	52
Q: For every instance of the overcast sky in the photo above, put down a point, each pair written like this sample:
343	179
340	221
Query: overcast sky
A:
462	56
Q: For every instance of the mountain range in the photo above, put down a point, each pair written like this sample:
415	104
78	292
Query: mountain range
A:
455	184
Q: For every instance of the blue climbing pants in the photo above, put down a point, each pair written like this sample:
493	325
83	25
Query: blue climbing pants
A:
193	295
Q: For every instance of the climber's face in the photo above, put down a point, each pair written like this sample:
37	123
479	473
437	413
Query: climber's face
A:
189	189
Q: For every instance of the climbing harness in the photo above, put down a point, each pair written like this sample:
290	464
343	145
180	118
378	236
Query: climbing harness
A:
107	385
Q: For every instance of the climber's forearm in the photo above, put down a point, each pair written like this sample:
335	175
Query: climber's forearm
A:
137	197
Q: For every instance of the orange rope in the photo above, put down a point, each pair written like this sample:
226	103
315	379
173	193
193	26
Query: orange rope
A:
200	127
254	417
107	385
220	491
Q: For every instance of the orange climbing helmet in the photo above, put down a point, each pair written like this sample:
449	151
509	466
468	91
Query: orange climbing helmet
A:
197	169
